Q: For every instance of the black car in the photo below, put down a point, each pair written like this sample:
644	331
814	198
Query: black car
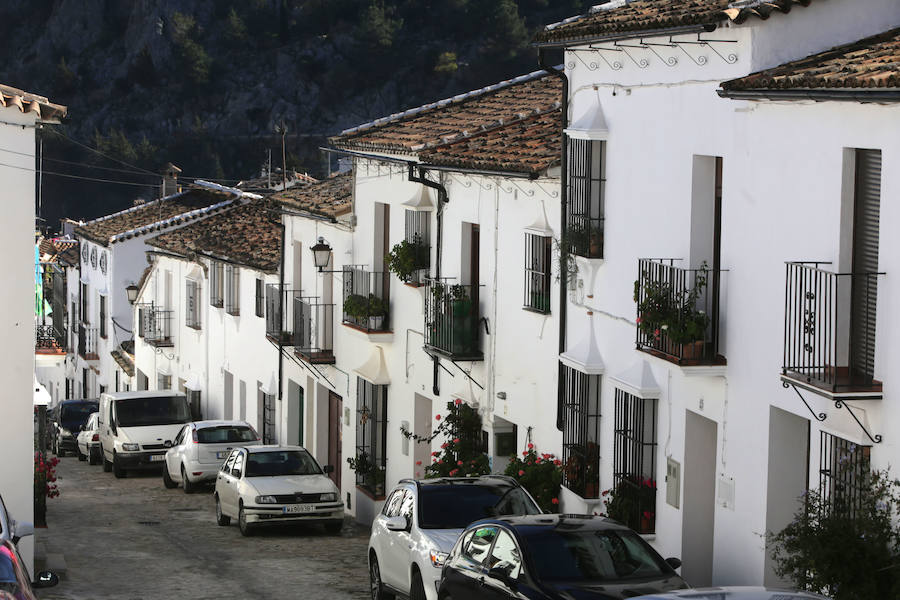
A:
554	557
69	417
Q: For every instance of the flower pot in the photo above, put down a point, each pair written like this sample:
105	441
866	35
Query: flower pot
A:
376	323
692	350
646	524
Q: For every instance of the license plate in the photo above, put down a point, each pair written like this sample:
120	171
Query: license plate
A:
157	457
222	454
299	508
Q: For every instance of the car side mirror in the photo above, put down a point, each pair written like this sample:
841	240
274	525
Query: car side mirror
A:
22	529
501	572
673	562
398	523
45	579
328	469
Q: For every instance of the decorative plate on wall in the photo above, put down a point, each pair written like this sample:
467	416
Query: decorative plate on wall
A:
93	258
103	262
84	252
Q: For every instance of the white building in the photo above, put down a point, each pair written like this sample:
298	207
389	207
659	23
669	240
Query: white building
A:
786	166
20	113
112	259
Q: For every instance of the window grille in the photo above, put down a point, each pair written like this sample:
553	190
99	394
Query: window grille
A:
216	284
843	467
232	290
85	313
418	232
103	316
580	403
163	382
260	298
193	397
584	221
192	304
270	436
537	272
371	435
142	318
634	459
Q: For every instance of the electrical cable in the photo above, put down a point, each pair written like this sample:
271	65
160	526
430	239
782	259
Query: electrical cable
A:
94	150
33	170
78	164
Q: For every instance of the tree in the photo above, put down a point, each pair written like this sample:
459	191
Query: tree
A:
377	26
235	30
507	34
194	59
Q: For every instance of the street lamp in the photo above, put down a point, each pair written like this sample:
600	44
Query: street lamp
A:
321	254
132	291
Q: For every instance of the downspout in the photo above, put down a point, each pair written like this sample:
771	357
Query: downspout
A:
443	198
280	322
563	204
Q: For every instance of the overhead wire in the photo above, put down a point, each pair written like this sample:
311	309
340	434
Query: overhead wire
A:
94	150
96	179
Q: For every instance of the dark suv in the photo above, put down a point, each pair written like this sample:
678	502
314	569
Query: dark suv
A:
68	418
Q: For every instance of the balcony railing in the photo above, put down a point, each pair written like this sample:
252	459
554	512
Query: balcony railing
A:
49	340
366	305
829	328
87	342
280	312
314	330
678	312
158	327
452	319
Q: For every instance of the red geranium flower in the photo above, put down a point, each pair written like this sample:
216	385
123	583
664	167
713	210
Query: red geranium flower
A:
418	462
437	417
457	402
555	501
530	445
521	473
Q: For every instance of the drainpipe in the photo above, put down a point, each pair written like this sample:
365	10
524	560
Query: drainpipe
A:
443	198
563	204
281	320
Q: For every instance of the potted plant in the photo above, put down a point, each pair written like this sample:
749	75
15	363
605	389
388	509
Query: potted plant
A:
667	316
540	474
367	312
406	258
368	475
632	502
463	321
583	471
356	306
584	238
377	310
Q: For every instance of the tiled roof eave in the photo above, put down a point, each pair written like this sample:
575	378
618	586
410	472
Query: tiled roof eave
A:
588	38
266	267
488	166
176	220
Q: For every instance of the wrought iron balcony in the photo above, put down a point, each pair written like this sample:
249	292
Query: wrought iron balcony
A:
829	330
87	342
49	340
280	313
678	312
452	320
366	305
313	337
158	327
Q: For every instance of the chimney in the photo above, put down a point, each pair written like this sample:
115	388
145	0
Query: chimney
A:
170	180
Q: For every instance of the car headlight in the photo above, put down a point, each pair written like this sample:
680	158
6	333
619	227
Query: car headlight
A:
129	447
266	500
329	497
438	558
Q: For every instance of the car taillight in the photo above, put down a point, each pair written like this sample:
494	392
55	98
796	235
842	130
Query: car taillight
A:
95	437
194	436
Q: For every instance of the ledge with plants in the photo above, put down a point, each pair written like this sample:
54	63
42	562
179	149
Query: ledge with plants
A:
367	312
408	260
369	476
632	502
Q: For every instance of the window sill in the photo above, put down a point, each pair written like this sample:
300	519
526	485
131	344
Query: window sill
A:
234	313
368	493
217	304
194	327
538	311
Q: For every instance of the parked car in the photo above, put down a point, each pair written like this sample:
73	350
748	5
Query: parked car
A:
201	448
734	593
136	428
68	418
10	529
276	484
422	519
15	582
87	444
554	557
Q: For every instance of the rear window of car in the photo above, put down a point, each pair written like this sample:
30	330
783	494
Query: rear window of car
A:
455	506
224	434
77	410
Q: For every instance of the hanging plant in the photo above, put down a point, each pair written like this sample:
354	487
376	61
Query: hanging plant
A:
407	257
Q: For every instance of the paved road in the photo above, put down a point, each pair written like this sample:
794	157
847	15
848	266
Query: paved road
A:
132	539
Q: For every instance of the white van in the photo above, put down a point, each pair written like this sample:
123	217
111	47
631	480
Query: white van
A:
136	428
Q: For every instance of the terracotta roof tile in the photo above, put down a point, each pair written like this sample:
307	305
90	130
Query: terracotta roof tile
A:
528	146
153	215
249	235
27	102
873	62
464	115
330	197
649	15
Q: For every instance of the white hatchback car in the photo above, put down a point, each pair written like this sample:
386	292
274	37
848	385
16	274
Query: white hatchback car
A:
276	484
87	443
199	450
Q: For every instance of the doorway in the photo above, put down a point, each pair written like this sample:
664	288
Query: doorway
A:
421	427
334	436
698	519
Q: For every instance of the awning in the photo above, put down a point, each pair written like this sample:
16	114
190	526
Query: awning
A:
270	388
193	383
585	355
540	226
638	381
374	370
163	370
421	200
41	395
591	125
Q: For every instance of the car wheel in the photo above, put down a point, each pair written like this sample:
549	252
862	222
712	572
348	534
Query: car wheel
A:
81	456
377	587
188	486
107	466
117	469
167	480
245	527
335	527
221	519
416	588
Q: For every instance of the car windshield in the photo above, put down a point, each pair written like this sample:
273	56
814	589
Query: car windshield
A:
75	414
164	410
281	462
455	506
223	434
609	555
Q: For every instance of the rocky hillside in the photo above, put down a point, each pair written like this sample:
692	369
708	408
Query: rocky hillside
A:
205	84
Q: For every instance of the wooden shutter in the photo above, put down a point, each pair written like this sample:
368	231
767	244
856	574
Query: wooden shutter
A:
865	263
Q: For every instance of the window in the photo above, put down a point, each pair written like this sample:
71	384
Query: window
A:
842	467
142	316
260	298
232	290
102	316
392	506
85	314
102	390
634	460
216	284
117	381
371	435
192	304
506	556
477	548
226	467
270	435
580	404
537	272
163	382
193	397
238	467
418	243
584	221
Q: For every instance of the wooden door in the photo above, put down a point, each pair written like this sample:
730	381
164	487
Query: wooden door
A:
334	437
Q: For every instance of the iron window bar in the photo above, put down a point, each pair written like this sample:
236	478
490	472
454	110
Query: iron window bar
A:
366	304
580	404
280	303
843	467
538	261
313	334
634	459
371	436
452	319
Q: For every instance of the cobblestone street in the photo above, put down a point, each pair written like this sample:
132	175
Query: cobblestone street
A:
132	539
